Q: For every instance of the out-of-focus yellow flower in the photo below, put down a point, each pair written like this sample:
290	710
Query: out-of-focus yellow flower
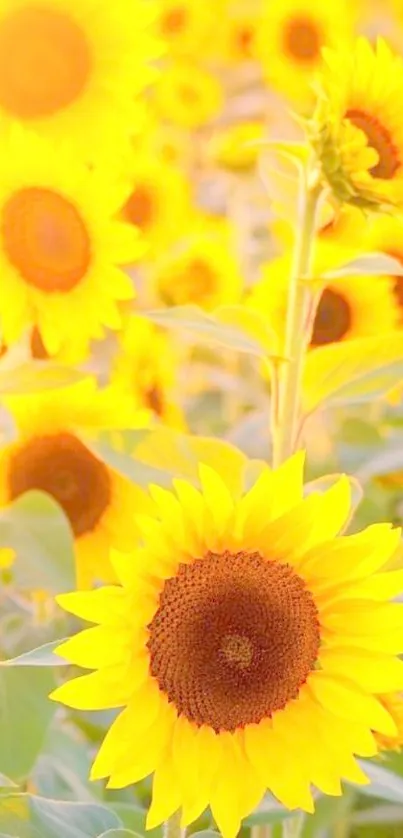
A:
159	199
52	453
187	95
146	368
385	235
203	270
7	558
241	23
290	670
60	245
238	147
357	132
393	703
291	37
349	307
186	26
72	68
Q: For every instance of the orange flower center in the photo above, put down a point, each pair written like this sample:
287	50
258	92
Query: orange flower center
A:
140	207
245	37
234	639
378	138
302	39
45	62
38	348
194	284
333	319
173	21
45	239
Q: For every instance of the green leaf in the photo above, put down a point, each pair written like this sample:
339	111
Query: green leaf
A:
352	372
38	816
120	833
269	811
234	327
369	264
41	656
136	471
385	784
25	715
38	530
387	461
35	377
133	816
6	783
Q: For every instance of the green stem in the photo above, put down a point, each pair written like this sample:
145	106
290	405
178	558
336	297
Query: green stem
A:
284	433
292	827
172	827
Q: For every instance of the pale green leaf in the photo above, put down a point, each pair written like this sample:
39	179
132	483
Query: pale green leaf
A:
37	529
41	656
25	715
36	376
269	811
385	784
120	833
354	371
234	327
369	264
40	817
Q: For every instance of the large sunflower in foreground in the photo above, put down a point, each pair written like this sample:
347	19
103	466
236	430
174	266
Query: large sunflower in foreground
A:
290	40
358	128
247	644
52	453
73	68
348	308
60	245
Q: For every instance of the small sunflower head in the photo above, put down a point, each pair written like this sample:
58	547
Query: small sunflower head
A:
356	132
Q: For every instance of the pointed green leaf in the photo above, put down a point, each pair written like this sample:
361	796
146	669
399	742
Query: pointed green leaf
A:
369	264
41	656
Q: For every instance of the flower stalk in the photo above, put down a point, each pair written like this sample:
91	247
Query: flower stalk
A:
286	417
172	827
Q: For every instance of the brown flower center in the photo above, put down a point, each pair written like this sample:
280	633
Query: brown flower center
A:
45	239
333	319
62	466
378	138
233	640
302	39
154	399
45	61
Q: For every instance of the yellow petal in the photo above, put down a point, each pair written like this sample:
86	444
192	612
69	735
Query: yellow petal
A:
270	755
373	672
96	647
345	699
217	496
166	797
104	605
100	690
353	556
363	617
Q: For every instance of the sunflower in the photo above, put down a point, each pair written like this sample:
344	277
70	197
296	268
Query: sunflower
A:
202	271
358	129
348	308
187	95
185	26
158	200
301	641
74	68
393	703
241	27
145	368
60	245
290	40
238	147
52	454
385	235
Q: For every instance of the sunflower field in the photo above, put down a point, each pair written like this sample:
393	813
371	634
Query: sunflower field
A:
201	418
